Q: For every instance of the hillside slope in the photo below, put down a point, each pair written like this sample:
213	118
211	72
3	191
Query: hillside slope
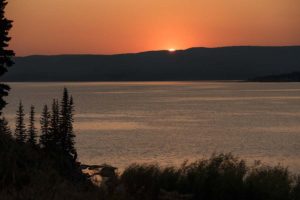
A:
227	63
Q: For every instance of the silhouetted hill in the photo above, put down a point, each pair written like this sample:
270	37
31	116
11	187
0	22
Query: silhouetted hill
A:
226	63
290	77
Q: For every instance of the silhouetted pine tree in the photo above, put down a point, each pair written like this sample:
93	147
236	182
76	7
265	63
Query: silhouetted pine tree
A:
54	126
63	120
20	131
46	136
5	55
71	140
67	135
32	134
4	128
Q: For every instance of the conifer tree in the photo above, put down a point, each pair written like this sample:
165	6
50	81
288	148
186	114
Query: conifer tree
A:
46	138
66	124
54	128
5	55
4	128
32	134
63	120
20	131
71	135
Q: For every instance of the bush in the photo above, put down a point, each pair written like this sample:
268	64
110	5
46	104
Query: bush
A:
141	181
296	189
223	176
220	177
269	183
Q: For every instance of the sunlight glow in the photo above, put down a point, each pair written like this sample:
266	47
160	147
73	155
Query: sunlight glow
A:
172	50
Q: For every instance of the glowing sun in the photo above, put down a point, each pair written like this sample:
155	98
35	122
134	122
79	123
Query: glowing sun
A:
172	50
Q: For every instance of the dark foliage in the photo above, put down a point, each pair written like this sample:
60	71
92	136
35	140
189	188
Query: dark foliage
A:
32	132
31	173
4	128
57	127
46	137
5	55
296	189
220	177
54	138
20	131
67	135
268	183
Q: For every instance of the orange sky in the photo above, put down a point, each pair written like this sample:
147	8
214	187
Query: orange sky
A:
120	26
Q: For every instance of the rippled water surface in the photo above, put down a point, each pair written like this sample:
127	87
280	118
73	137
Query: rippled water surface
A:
168	122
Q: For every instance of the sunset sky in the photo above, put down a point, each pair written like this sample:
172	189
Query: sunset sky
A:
122	26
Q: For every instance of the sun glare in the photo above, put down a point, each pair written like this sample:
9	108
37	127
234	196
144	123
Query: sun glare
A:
172	50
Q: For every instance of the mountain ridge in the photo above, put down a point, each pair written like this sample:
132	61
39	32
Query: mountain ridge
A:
197	63
161	50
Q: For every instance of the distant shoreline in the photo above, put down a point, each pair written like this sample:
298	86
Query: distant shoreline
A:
194	64
287	77
129	81
163	81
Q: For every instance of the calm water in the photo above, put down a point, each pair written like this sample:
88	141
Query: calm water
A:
168	122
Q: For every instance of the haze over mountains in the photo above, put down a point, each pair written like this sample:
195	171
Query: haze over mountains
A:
226	63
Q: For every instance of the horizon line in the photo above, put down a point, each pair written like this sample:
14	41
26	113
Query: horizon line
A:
159	50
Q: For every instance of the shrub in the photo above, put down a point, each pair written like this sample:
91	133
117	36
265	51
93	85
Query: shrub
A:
268	183
296	189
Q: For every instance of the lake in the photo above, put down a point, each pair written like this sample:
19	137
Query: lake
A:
168	122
